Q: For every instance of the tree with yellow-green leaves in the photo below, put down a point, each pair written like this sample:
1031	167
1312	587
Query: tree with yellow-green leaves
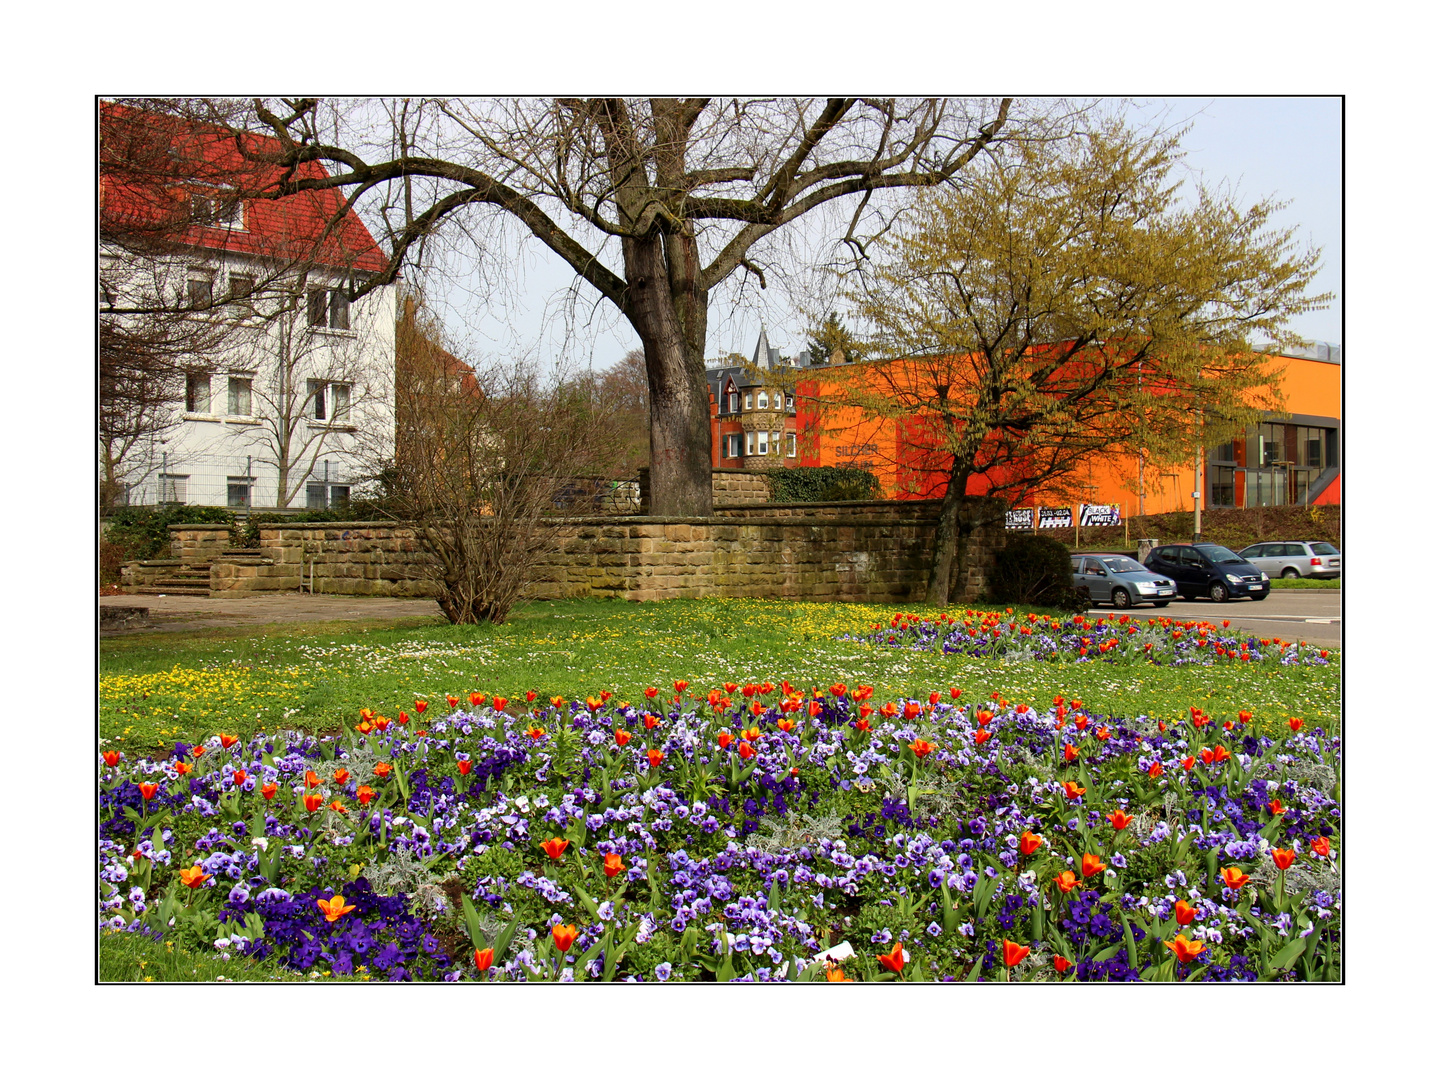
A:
1064	302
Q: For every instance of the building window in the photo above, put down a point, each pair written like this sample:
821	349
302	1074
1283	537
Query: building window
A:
749	400
1222	486
241	286
763	401
763	445
174	488
790	444
237	490
331	401
197	392
317	307
339	403
732	446
328	308
315	497
749	443
339	310
200	291
239	397
315	390
221	209
339	496
734	401
789	402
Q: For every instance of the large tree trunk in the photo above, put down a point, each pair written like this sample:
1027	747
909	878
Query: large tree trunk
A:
668	311
943	561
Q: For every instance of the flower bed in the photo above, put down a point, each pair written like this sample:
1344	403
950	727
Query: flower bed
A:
748	833
1118	639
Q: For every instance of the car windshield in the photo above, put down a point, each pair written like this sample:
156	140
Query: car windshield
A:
1217	554
1324	549
1119	564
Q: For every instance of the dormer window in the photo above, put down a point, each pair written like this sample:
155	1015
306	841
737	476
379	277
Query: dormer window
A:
749	400
221	209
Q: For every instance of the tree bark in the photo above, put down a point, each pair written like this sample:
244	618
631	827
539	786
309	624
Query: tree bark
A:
947	539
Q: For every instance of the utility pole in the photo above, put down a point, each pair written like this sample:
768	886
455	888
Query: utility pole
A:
1199	492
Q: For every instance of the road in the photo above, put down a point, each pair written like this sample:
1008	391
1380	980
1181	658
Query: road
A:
1311	615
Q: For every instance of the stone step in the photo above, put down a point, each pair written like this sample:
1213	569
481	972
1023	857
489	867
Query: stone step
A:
160	588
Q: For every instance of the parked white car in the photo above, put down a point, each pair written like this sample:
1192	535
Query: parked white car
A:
1295	559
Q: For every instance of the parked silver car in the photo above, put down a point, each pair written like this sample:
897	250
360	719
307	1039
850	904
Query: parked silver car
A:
1120	580
1295	559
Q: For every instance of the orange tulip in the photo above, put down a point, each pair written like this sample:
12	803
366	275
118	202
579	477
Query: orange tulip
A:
367	715
311	780
421	706
197	750
982	735
228	741
339	807
477	699
724	739
785	724
889	709
364	794
147	791
862	724
1090	865
313	801
1321	846
1296	723
1156	769
838	690
621	736
1102	733
680	685
536	733
835	973
1073	790
1185	949
1184	913
484	958
111	757
650	691
342	775
1029	843
1120	819
1234	877
1067	880
651	722
1283	857
531	695
383	722
983	717
1244	717
912	710
194	877
1071	753
364	727
1275	806
269	790
555	847
564	936
334	908
1221	754
613	865
451	700
894	960
1015	953
382	769
921	747
654	757
1188	762
182	767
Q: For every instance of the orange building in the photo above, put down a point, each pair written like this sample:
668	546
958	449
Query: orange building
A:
1284	460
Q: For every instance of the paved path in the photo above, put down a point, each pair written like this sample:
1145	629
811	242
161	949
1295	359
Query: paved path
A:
210	612
1312	615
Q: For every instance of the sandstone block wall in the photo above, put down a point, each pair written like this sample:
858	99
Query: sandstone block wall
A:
198	543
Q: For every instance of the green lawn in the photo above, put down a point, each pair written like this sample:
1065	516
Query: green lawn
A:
1305	583
156	688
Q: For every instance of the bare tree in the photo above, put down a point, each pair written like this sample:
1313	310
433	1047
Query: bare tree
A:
687	189
481	465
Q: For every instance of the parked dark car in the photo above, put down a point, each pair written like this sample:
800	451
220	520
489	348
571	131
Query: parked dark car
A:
1209	570
1295	558
1120	580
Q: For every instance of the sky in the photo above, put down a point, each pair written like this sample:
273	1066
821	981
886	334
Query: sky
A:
1257	147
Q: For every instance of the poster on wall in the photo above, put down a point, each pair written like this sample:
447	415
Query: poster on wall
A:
1056	517
1024	518
1099	515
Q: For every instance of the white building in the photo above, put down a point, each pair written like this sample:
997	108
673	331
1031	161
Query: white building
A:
291	400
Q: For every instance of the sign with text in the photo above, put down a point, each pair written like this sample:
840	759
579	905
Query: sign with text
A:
1056	517
1024	518
1099	515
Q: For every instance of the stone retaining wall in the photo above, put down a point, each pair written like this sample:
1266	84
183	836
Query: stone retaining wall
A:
198	543
877	552
728	487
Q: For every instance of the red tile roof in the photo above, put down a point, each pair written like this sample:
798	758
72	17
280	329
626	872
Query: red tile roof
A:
150	165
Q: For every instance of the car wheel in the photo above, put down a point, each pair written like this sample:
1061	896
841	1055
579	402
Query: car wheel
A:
1290	572
1162	603
1120	598
1219	593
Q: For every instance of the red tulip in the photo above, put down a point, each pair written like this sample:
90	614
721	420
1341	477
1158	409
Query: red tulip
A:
745	750
1275	806
655	757
555	847
1090	865
342	775
1188	762
1015	953
147	791
111	757
613	865
1061	964
1283	857
312	802
499	703
465	767
334	908
983	717
311	780
484	958
920	747
955	693
228	741
477	699
1073	790
1185	949
1120	819
1184	913
981	736
536	733
731	687
530	695
1029	842
1071	753
269	790
621	736
1244	716
912	710
383	722
564	936
651	722
450	699
197	750
814	708
1221	754
894	960
1296	723
650	691
1156	769
862	724
680	685
1234	877
837	690
237	777
1321	846
421	706
182	767
785	723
